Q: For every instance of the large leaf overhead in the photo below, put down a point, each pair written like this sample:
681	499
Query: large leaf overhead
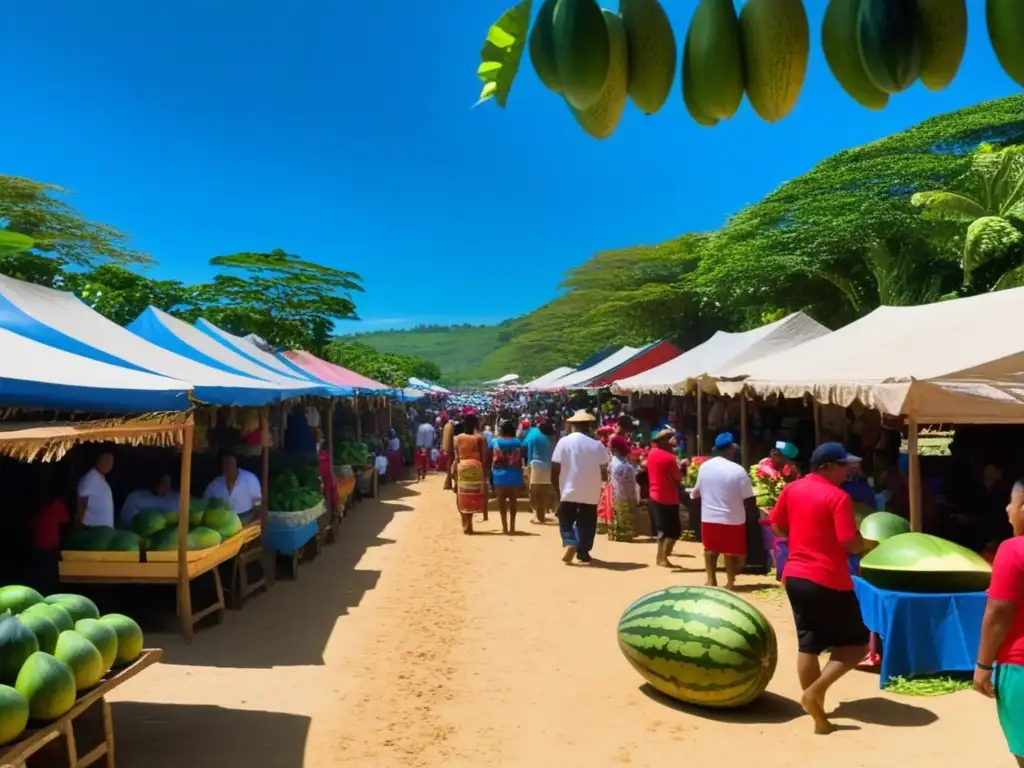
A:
987	238
948	205
502	52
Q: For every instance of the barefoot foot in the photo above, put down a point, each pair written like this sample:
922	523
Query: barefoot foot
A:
814	707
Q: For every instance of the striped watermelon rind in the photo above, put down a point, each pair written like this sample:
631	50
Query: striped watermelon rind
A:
701	645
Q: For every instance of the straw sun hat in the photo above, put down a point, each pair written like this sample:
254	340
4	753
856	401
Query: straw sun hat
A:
581	416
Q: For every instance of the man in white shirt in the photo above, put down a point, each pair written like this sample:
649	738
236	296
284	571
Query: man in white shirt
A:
95	500
726	499
579	467
239	487
425	436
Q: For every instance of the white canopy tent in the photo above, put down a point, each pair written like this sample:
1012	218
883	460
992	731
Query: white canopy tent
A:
578	379
508	378
723	351
426	386
549	378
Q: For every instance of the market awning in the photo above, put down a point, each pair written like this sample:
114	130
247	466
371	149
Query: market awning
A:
548	378
60	320
647	358
188	341
580	378
723	351
427	386
35	376
959	361
335	374
49	441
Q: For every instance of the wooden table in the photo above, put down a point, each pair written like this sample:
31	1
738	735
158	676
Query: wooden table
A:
89	721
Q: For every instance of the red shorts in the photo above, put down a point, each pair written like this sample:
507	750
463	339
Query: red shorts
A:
422	460
724	539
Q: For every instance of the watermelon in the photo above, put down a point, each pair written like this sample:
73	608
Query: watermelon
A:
170	518
13	714
196	510
15	598
58	614
148	521
49	686
82	657
79	607
700	645
124	541
203	538
17	644
129	637
163	541
95	539
919	562
860	511
879	526
46	631
102	636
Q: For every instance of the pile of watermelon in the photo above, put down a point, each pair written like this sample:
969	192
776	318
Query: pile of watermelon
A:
211	521
51	650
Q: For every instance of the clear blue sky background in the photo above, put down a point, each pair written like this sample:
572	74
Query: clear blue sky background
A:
343	131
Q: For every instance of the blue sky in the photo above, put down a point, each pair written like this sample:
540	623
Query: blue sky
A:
343	131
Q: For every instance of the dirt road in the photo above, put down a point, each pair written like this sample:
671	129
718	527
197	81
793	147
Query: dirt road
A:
409	644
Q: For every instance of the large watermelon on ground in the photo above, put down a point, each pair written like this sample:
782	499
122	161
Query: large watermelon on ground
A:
49	686
13	714
919	562
83	658
103	637
148	521
15	598
58	614
129	637
700	645
46	631
17	644
879	526
78	606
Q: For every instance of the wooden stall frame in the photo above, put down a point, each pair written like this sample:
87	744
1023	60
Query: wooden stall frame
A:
15	755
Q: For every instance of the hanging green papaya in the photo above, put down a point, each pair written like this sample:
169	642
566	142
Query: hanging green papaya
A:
651	44
691	106
582	50
776	43
601	119
1005	20
542	47
715	58
839	43
890	39
945	40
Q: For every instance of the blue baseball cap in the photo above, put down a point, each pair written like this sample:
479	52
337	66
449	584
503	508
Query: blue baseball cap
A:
832	453
724	440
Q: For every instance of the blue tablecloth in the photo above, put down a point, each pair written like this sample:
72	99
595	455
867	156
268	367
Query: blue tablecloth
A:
922	634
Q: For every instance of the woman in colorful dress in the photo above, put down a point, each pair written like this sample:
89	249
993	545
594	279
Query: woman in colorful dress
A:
468	471
624	490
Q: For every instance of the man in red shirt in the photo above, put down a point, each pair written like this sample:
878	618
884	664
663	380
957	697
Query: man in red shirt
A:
664	476
817	517
1002	631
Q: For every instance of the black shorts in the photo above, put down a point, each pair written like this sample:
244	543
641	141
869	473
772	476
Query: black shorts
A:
825	618
667	524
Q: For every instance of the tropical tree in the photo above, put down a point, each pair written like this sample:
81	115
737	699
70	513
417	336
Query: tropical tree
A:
989	199
121	295
387	368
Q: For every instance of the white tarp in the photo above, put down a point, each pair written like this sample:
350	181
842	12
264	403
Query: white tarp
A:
578	379
723	351
508	378
548	378
952	361
427	386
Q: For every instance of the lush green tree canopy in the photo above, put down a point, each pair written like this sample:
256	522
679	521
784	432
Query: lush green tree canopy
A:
391	369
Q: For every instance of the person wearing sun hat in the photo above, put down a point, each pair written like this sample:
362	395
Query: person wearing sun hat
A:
727	500
817	517
579	468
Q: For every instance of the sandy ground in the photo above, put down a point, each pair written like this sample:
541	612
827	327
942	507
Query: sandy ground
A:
409	644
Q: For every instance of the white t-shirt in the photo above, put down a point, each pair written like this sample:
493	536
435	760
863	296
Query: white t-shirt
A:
100	507
381	465
144	498
425	436
581	458
722	486
243	497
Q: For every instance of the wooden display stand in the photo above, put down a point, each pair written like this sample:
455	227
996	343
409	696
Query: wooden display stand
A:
87	726
241	587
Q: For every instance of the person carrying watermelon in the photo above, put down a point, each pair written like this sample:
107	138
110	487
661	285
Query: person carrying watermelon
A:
999	672
817	517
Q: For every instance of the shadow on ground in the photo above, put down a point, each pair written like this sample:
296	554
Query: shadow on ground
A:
768	708
165	736
885	712
290	624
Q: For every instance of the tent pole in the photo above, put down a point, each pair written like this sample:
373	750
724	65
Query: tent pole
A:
916	523
744	446
330	432
184	497
817	423
265	469
700	419
359	421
